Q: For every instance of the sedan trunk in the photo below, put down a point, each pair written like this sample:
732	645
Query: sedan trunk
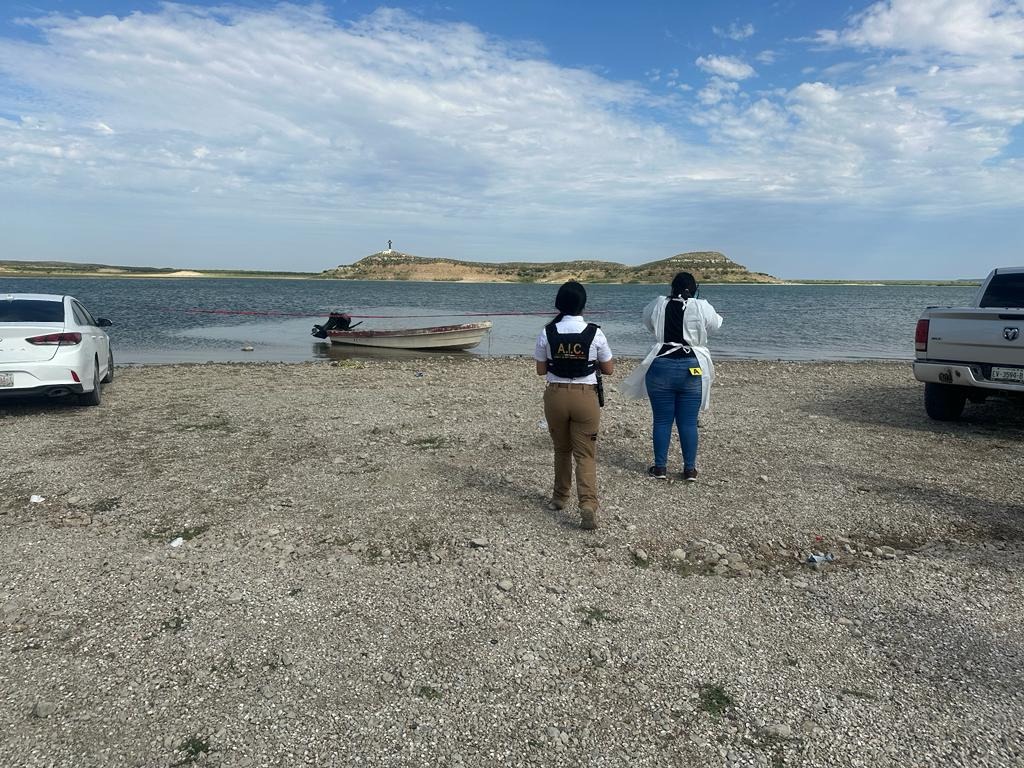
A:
14	347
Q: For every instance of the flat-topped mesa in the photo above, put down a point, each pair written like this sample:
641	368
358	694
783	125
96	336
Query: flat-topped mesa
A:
394	265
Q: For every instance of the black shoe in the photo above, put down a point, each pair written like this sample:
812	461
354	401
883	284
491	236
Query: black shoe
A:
690	475
658	473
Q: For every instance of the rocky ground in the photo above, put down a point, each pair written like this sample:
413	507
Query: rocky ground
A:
350	564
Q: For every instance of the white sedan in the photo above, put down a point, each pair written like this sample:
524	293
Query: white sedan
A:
51	345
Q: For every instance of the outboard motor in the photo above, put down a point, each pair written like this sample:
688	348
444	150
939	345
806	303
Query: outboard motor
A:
337	321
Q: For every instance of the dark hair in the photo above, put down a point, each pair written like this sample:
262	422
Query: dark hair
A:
684	285
571	299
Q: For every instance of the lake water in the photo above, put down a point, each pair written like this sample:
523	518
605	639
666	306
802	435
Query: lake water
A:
152	323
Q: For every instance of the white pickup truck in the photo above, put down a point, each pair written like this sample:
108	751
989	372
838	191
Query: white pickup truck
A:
969	353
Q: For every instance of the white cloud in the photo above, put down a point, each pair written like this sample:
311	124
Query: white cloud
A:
972	27
288	103
766	57
288	112
735	31
717	90
728	67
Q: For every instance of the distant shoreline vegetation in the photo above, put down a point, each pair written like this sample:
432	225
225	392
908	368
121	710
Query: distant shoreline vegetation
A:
706	266
710	267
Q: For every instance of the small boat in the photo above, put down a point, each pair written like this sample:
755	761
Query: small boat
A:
438	337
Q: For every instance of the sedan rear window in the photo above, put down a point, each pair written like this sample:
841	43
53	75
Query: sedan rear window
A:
1005	291
31	311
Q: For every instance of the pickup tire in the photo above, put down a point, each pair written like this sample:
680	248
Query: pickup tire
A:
944	402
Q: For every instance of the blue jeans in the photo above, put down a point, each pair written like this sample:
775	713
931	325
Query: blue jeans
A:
675	395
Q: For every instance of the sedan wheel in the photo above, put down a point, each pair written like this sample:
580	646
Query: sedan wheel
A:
96	396
110	368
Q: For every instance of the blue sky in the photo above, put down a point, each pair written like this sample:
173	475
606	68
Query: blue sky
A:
805	139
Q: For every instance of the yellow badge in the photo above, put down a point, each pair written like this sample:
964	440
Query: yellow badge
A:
696	372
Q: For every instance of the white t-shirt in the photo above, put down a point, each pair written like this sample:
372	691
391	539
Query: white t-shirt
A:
599	349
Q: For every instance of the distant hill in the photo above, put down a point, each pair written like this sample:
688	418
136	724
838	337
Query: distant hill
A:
10	268
706	266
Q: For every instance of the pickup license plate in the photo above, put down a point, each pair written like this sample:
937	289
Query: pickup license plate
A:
6	379
998	374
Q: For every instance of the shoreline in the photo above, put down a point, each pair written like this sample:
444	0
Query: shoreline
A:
314	276
347	355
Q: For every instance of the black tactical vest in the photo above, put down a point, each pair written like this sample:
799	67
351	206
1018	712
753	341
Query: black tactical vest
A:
569	353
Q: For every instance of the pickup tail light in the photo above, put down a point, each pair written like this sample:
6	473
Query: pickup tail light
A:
921	336
56	339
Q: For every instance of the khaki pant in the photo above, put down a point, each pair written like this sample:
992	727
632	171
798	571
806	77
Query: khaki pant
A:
573	417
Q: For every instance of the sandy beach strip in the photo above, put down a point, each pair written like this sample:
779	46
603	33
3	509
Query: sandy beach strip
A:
349	563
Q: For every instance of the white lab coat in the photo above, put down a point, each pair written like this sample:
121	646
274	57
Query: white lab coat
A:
699	319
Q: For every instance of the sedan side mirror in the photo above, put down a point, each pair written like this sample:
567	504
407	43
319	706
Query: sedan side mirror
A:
102	322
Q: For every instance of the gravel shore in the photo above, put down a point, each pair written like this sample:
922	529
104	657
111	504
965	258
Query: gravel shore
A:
350	564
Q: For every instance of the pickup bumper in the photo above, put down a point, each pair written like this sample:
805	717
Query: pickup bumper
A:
962	375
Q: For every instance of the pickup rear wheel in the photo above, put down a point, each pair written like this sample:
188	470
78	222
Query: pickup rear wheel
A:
944	402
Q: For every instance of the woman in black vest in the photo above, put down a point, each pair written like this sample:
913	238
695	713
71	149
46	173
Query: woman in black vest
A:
568	353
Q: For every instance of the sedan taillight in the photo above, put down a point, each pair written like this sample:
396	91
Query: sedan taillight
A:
921	336
56	339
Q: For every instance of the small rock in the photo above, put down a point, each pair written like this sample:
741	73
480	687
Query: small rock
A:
234	598
641	555
678	554
479	543
846	622
505	585
762	478
800	583
779	730
44	709
182	586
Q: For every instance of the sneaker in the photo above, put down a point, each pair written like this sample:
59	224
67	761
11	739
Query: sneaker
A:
658	473
690	475
589	519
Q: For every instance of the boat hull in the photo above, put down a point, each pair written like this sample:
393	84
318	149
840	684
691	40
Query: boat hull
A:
441	337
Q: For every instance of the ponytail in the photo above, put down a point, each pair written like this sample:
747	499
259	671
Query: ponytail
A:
683	286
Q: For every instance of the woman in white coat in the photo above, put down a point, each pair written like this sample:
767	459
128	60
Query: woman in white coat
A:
677	373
